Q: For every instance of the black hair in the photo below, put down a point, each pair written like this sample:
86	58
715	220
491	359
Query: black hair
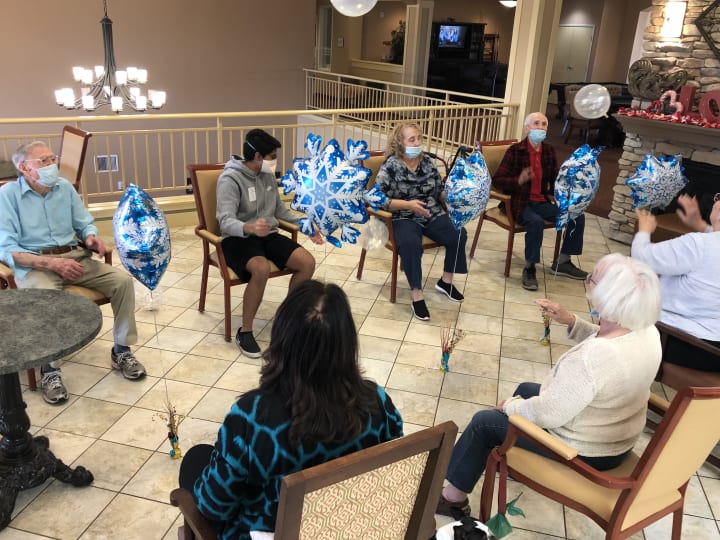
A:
258	140
312	363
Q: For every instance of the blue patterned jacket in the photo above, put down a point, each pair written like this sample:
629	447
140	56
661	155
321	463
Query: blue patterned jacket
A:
240	487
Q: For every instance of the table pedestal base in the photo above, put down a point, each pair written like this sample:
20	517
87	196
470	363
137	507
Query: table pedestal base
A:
25	461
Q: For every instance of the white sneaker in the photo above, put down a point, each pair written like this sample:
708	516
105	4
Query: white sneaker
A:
52	387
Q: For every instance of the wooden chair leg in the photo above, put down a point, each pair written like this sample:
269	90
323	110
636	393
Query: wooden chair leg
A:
32	382
393	277
477	235
203	286
361	264
228	318
558	241
508	257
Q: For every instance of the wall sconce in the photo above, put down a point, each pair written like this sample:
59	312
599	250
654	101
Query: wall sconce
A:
673	18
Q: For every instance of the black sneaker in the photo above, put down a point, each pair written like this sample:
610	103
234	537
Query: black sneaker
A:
529	279
568	269
247	344
449	290
420	310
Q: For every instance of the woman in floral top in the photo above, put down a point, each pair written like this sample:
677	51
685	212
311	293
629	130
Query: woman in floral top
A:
415	195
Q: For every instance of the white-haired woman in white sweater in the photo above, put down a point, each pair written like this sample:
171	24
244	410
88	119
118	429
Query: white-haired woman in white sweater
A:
595	397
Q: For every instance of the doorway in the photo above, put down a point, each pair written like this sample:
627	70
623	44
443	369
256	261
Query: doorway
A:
572	53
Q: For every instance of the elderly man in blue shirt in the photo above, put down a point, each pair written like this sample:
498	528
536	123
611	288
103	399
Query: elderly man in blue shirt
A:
41	220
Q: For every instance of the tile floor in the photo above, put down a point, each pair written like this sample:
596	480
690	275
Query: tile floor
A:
111	425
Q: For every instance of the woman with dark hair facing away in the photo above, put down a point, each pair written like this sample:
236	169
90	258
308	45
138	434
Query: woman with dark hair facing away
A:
415	196
312	405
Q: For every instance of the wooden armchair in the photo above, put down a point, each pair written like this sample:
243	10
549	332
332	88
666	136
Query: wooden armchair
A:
630	497
493	152
204	178
377	158
339	499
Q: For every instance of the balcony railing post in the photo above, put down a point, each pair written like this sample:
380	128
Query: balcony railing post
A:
220	141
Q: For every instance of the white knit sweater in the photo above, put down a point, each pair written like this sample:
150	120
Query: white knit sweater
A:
595	398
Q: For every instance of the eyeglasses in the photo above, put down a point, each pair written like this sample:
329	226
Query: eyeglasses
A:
46	160
589	279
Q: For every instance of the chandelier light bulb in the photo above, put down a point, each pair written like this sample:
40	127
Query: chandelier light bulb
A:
142	76
132	73
99	71
121	77
353	8
116	103
141	103
78	72
88	103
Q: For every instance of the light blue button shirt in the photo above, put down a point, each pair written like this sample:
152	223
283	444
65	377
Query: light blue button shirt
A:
30	222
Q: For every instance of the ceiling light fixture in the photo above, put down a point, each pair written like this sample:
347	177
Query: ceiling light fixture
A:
509	3
353	8
106	85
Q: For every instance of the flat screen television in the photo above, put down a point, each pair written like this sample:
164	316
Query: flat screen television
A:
452	36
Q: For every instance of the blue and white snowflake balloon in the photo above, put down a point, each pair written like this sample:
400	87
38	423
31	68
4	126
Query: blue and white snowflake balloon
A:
577	183
142	236
468	189
656	182
330	189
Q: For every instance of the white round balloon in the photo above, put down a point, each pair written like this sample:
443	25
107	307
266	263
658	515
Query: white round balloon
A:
592	101
353	8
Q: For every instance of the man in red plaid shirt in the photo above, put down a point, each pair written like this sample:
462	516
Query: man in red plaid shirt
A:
527	173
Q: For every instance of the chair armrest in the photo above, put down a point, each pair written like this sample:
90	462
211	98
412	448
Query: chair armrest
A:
657	404
520	425
287	226
688	338
183	499
380	214
499	196
214	239
7	277
543	437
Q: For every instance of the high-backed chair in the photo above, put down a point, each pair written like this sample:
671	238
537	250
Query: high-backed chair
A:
374	162
630	497
73	147
493	152
340	499
204	178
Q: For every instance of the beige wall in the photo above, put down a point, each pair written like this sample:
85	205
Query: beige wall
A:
377	26
614	22
216	55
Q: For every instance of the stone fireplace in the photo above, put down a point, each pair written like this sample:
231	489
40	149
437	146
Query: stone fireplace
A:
698	58
643	136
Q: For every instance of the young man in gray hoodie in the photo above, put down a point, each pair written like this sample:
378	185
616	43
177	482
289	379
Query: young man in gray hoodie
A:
248	209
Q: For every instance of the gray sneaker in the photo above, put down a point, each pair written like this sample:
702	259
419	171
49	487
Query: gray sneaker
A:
529	279
52	387
127	363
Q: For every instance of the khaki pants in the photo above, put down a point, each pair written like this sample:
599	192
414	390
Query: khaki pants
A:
112	282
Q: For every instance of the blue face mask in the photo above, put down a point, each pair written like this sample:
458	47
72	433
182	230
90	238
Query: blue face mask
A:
48	175
413	151
537	136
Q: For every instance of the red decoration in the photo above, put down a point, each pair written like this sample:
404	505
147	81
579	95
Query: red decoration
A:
706	118
709	104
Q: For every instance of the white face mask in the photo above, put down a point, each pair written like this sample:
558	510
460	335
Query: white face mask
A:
269	166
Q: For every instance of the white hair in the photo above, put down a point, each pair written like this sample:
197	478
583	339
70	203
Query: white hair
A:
23	150
626	292
526	123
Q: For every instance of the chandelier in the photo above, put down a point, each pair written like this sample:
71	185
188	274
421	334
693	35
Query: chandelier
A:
106	85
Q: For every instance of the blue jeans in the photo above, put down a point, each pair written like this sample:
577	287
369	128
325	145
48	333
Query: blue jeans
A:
488	429
408	238
533	219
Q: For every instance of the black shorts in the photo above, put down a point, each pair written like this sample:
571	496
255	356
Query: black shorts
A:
274	247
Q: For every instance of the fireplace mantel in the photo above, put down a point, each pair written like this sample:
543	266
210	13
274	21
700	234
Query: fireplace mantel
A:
676	133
